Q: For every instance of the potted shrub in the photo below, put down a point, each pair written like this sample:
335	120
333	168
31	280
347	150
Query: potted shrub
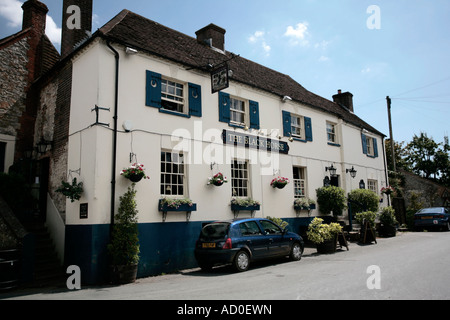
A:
367	221
279	182
135	172
217	180
388	222
283	224
124	246
331	199
72	190
324	235
304	204
363	200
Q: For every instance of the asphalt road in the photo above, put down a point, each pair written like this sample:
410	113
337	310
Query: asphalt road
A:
409	266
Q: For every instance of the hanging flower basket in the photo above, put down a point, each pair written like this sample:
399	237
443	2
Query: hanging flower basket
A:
279	182
73	190
387	190
135	172
217	180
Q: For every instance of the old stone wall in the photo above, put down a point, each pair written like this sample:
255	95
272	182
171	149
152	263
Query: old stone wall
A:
13	85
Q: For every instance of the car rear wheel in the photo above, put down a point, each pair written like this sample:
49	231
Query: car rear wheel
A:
296	252
241	261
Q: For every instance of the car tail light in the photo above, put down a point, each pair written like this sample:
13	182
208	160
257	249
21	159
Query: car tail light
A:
228	244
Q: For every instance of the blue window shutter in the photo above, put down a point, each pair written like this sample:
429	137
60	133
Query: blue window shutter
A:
195	100
254	114
308	129
375	148
153	90
287	127
364	143
224	107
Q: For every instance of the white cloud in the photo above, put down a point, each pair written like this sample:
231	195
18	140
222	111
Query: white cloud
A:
298	33
256	36
324	59
366	70
259	37
52	31
11	10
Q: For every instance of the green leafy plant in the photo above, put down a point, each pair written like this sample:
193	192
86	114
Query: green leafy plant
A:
331	199
387	216
318	232
368	216
124	246
283	224
73	190
363	200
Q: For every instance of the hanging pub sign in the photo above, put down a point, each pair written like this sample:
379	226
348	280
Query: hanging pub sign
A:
219	78
254	142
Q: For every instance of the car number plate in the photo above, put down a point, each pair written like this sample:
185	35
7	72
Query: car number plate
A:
425	218
208	245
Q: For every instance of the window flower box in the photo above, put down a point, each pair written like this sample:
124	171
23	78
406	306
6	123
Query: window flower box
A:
304	204
176	205
248	204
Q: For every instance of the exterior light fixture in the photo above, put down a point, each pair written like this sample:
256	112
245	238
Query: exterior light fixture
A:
287	98
130	51
332	170
362	184
352	172
42	146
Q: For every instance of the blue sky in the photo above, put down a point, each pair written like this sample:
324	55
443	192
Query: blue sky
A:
325	45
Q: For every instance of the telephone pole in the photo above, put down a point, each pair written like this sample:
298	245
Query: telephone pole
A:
390	133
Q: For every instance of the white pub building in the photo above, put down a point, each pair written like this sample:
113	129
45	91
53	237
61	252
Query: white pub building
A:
187	109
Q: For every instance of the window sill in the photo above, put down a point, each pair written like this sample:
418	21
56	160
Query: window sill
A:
175	113
333	144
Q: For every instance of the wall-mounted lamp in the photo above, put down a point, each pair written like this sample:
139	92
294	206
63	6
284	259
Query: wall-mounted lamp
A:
130	51
352	172
43	146
287	98
362	184
332	170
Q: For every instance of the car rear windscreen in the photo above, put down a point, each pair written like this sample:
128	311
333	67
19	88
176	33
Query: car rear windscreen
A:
215	231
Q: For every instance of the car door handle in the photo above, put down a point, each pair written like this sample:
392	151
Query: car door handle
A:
270	240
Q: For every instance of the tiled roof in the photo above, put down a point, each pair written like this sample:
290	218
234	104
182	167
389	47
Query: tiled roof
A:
133	30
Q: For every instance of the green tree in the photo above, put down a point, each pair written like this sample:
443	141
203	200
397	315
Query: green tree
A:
421	152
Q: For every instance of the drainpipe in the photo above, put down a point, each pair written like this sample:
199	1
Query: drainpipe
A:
385	168
114	153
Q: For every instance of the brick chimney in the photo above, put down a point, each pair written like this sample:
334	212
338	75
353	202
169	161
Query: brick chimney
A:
71	34
34	15
213	36
345	99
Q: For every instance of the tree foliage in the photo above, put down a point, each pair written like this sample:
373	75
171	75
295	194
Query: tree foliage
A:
422	156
